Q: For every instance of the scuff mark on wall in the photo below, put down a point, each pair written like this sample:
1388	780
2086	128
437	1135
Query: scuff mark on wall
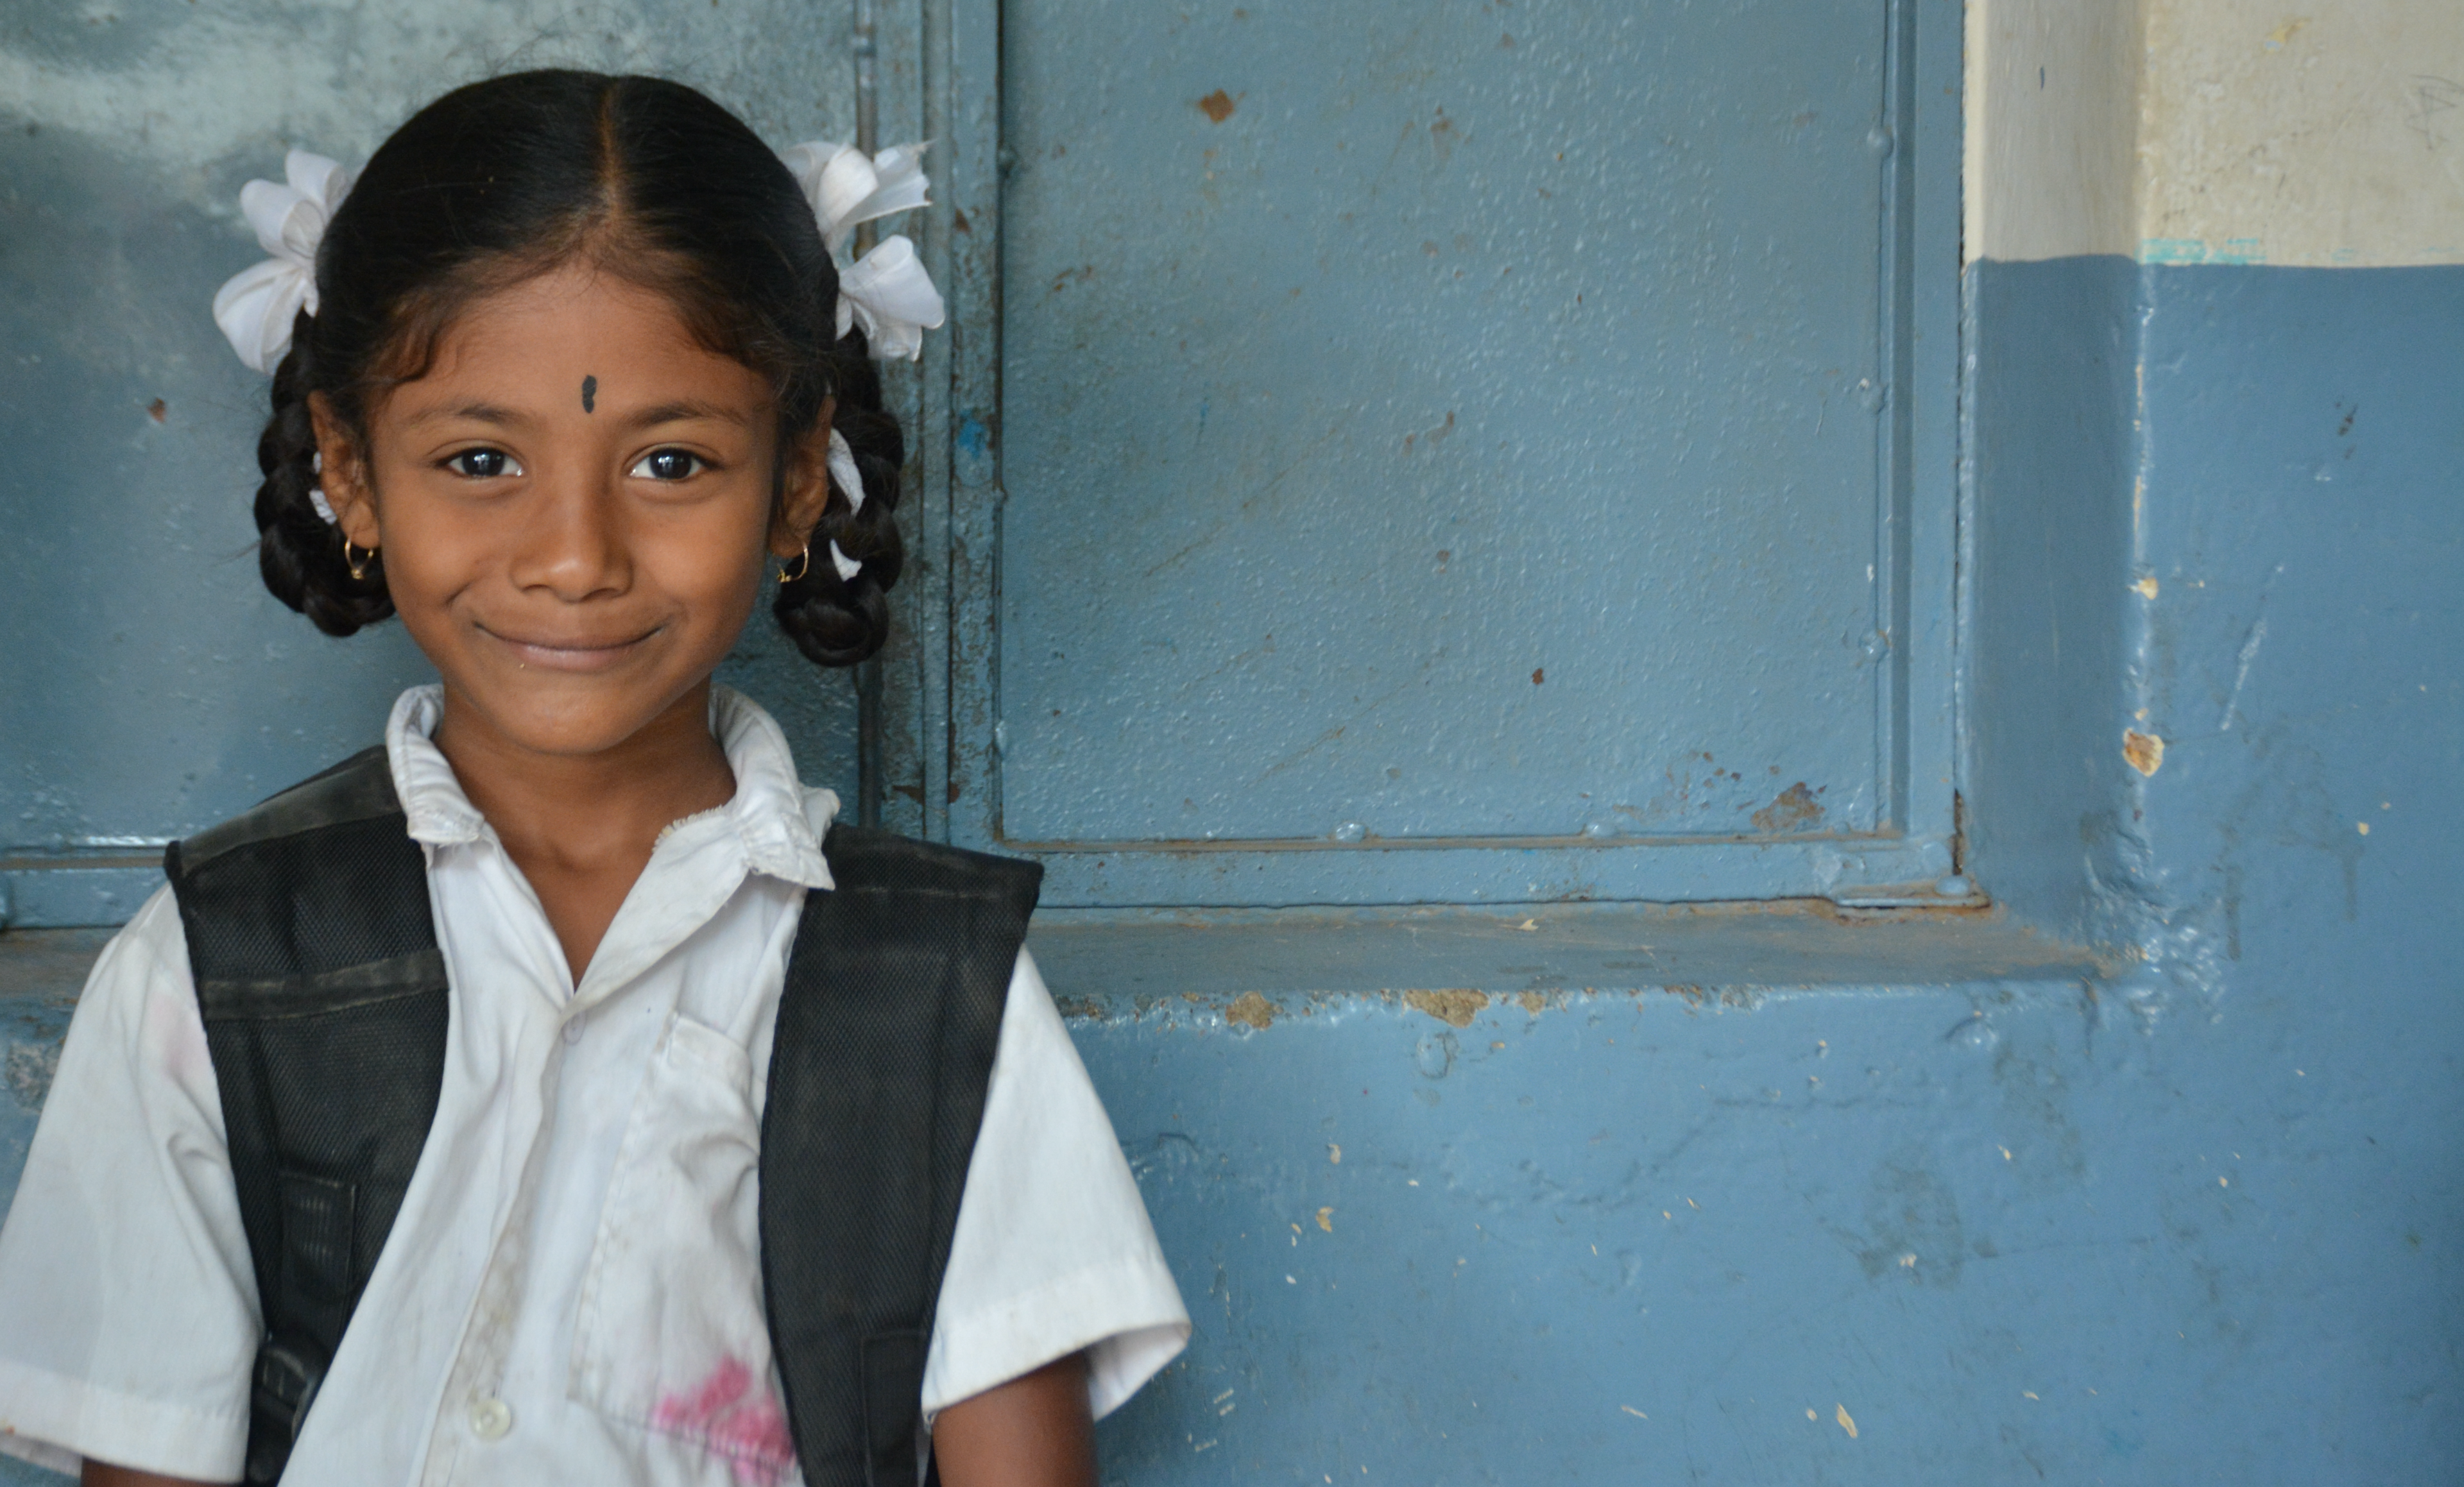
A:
2242	661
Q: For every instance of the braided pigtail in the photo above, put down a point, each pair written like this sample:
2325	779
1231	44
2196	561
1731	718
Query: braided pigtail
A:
299	551
838	621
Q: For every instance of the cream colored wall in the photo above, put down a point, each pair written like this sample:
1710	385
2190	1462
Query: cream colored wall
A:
2217	131
2053	89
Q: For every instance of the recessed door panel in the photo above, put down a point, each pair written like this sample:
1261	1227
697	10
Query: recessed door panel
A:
1447	423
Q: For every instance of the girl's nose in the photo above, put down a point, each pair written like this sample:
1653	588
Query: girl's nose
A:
574	545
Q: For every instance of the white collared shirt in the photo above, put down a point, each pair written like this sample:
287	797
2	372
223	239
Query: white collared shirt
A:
572	1291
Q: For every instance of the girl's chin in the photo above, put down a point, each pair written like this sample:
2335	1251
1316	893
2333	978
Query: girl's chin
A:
562	713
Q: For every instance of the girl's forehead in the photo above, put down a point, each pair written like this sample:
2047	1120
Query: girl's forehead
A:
541	339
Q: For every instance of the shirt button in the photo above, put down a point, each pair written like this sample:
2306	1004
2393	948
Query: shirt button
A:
490	1418
572	1032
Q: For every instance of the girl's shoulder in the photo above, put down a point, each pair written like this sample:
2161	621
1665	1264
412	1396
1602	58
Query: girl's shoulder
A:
147	959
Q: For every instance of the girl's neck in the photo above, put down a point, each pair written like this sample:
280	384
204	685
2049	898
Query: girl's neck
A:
580	826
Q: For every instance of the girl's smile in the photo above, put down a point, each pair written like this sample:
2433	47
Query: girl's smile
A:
567	655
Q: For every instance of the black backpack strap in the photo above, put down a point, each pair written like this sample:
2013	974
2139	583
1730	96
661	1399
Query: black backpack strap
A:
886	1034
324	1001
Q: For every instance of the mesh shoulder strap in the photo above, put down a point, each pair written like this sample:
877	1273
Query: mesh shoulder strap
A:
885	1041
323	997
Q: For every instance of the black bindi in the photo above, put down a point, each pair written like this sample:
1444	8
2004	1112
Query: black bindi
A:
589	394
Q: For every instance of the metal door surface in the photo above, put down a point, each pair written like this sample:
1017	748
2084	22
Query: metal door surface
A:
1464	451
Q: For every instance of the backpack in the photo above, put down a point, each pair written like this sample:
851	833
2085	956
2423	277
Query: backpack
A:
324	1000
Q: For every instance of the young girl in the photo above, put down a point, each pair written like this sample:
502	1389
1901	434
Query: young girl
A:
555	1095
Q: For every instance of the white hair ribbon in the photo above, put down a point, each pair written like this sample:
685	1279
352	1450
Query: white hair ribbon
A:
886	290
257	307
317	492
851	483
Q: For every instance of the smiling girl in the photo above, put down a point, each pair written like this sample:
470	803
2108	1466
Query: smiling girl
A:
555	1093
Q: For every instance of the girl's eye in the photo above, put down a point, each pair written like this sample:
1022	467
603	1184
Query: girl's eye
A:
482	464
668	465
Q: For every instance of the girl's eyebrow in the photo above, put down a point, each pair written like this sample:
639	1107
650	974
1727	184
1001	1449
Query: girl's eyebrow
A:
684	412
681	412
477	412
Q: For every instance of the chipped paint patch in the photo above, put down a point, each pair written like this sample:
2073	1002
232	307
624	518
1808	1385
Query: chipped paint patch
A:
1252	1010
29	1068
1846	1422
1794	808
2146	751
1455	1008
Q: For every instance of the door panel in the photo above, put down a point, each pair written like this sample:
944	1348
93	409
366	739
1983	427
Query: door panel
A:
1442	429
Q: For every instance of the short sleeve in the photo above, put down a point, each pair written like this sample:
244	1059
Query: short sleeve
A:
1053	1250
127	1306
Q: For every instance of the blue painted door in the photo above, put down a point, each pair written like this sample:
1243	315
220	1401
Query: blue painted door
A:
1460	453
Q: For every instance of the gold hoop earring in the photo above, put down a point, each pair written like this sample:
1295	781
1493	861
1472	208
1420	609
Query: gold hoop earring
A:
804	566
359	566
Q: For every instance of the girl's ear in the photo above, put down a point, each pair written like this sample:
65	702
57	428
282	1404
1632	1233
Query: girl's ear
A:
805	494
344	475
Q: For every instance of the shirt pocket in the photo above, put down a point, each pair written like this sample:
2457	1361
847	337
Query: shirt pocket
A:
670	1336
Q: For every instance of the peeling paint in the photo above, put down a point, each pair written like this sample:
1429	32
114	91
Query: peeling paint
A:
1795	809
2146	751
1252	1010
1455	1008
27	1072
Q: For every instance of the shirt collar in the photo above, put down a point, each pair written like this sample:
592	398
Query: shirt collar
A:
779	821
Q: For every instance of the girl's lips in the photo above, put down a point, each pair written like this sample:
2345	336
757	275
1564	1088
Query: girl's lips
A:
569	655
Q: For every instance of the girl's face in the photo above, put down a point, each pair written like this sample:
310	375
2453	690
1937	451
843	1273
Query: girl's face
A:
574	507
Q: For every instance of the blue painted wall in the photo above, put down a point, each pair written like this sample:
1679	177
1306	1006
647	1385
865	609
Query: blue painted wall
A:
2198	1221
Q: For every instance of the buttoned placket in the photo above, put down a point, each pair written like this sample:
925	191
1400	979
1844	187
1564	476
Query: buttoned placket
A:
472	1411
764	828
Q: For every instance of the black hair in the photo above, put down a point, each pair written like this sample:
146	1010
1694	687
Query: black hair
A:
645	179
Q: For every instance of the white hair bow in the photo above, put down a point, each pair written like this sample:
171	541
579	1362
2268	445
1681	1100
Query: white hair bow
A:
841	462
886	290
257	307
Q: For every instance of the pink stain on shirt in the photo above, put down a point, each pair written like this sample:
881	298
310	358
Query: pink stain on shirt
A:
735	1419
